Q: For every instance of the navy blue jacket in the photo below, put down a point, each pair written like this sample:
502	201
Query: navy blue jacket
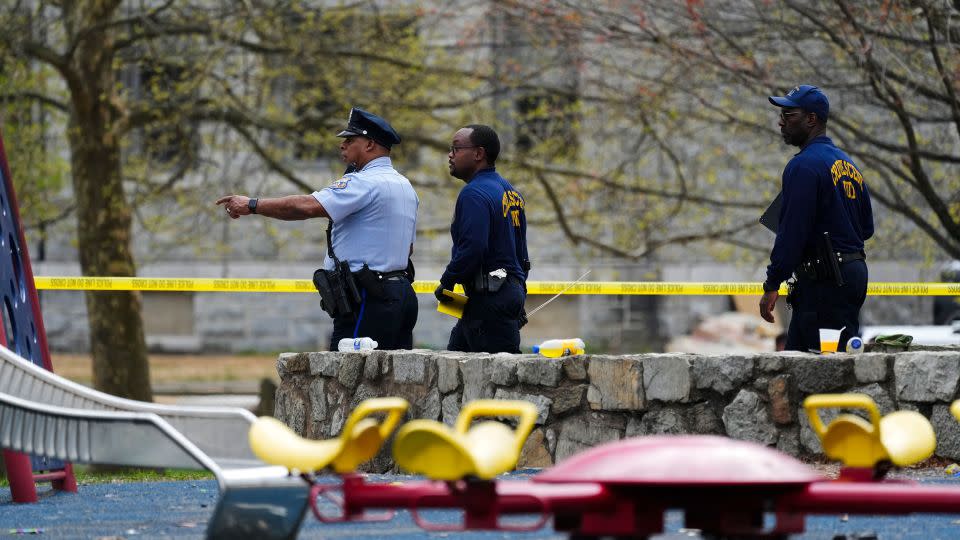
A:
823	191
489	230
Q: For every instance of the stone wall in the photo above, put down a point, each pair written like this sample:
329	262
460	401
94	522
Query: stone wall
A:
590	399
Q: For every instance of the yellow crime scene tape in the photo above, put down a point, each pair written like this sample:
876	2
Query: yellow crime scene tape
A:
75	283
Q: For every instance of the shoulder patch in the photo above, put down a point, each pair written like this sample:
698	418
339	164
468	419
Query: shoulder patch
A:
341	183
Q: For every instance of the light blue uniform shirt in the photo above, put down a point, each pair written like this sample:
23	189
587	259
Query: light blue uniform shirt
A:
374	214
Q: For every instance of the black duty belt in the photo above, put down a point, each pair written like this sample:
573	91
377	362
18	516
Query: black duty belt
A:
850	257
395	273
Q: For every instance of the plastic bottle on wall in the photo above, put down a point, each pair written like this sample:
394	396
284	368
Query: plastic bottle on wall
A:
356	344
555	348
855	345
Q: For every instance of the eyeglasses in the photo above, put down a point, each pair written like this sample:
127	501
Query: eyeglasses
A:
453	149
785	115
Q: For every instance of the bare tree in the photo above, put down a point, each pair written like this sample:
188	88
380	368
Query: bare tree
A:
673	97
140	86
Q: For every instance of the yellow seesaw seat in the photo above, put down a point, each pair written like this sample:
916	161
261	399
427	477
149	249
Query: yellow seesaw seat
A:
901	437
361	439
483	451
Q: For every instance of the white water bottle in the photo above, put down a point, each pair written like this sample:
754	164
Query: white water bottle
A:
356	344
855	345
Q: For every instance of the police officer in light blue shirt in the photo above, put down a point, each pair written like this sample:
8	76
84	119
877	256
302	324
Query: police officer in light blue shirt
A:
373	216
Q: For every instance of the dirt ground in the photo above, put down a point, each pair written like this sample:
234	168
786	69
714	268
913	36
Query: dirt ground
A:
168	369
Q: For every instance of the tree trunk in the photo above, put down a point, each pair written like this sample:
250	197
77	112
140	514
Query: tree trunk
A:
117	340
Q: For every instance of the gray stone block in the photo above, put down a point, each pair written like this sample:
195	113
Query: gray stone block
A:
503	370
769	363
702	418
926	377
541	402
567	398
291	409
746	418
721	373
666	421
475	369
539	371
575	367
430	407
351	368
337	421
870	367
666	377
366	390
411	367
616	383
450	409
579	434
325	363
448	374
317	394
371	365
879	395
814	374
789	442
289	363
534	453
948	432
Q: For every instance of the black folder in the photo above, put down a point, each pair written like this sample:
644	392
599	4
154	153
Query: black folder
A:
771	216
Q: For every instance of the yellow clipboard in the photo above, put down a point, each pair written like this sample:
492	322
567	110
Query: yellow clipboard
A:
454	305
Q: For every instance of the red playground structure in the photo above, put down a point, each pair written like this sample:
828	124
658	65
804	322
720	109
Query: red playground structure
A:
725	487
23	333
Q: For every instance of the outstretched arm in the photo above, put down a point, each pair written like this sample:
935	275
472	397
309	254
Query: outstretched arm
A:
289	208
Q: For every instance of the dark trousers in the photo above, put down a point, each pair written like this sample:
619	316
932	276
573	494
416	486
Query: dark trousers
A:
821	304
490	321
389	320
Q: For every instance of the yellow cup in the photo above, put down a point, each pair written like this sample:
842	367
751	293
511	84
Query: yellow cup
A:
829	338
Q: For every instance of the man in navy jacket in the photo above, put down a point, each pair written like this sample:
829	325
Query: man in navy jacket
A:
823	192
489	256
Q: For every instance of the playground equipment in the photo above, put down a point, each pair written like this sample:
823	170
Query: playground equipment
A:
45	419
46	415
23	332
724	486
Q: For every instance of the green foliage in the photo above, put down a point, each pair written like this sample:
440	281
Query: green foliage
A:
37	164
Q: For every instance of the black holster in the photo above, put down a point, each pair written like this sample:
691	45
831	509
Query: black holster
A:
484	282
824	264
371	281
339	295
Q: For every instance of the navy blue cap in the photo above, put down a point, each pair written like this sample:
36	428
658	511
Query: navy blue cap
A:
371	126
806	97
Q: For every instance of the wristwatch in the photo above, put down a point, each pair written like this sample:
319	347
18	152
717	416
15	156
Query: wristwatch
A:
252	205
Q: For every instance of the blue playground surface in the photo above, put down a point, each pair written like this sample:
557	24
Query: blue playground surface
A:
182	509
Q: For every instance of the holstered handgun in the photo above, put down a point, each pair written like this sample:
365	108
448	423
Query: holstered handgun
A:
830	262
339	294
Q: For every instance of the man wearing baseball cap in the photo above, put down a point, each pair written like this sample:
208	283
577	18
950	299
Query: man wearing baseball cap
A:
825	217
373	218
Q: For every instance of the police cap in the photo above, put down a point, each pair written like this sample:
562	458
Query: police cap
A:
371	126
